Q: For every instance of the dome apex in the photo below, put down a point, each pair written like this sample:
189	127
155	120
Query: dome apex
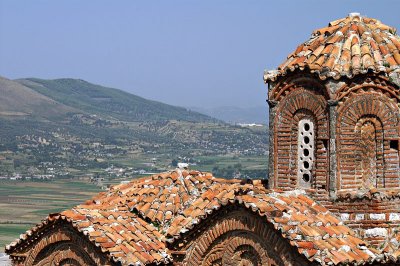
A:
346	47
354	14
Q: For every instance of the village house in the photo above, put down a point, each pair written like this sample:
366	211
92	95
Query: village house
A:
333	192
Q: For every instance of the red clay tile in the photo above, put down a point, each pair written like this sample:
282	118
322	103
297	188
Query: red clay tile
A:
355	34
132	239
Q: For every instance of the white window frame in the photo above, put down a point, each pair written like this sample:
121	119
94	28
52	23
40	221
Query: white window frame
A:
305	152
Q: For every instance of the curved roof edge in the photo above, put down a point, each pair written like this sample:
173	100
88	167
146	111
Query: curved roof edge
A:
345	48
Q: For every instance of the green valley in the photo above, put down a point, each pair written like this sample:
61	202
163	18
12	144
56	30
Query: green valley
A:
64	140
67	128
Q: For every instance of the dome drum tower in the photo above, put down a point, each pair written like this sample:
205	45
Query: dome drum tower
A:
334	122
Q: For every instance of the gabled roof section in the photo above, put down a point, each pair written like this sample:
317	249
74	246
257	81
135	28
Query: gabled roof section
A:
119	233
308	226
133	223
346	47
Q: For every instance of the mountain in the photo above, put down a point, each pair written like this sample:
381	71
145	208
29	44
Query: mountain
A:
83	97
234	115
70	127
18	100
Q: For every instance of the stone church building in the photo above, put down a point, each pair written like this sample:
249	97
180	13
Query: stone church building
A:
333	192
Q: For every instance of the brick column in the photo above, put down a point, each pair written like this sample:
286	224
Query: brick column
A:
332	146
272	112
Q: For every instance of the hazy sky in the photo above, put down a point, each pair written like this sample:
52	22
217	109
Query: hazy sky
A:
189	53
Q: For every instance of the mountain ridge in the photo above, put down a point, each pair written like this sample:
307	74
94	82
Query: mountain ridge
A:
87	97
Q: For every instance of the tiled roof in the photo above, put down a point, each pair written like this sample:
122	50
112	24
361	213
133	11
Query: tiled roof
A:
310	227
133	222
115	230
347	47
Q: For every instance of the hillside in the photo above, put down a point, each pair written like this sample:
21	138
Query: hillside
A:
108	102
18	100
68	128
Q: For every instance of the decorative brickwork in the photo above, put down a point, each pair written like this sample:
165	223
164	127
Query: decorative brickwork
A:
351	69
367	122
59	244
367	82
302	103
238	237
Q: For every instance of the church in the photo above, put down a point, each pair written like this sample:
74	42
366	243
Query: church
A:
332	196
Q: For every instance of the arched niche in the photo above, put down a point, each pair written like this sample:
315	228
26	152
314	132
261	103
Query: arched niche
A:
367	142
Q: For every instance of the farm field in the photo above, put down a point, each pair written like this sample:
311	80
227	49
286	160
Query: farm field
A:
24	204
207	163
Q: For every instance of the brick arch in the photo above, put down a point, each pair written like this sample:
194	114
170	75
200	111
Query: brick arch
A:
63	253
69	262
247	248
239	237
294	82
366	83
296	105
61	243
237	246
367	123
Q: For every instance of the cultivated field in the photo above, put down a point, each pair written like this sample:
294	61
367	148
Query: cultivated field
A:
24	204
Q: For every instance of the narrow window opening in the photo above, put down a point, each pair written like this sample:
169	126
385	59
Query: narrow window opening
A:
325	143
394	145
306	177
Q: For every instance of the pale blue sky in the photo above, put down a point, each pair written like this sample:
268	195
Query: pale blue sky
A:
190	53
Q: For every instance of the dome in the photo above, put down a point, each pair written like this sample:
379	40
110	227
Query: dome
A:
347	47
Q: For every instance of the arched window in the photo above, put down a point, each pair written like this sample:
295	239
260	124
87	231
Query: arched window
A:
305	152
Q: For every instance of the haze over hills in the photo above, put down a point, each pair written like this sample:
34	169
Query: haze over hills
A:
79	128
234	114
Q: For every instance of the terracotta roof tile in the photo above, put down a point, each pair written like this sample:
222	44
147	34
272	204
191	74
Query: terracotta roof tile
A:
132	222
346	47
